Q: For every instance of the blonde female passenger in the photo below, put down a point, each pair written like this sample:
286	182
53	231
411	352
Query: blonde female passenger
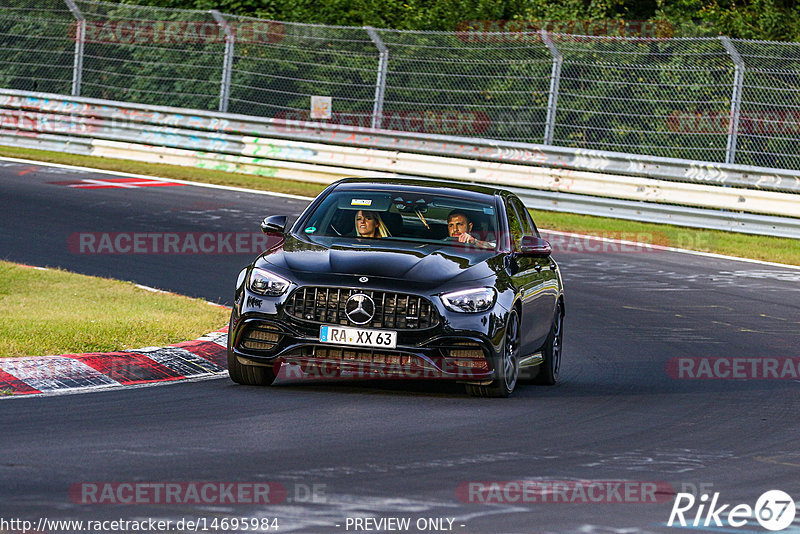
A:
370	224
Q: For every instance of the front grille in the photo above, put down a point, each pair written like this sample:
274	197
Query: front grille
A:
399	311
360	356
260	337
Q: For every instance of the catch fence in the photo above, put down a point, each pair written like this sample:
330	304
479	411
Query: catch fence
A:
710	99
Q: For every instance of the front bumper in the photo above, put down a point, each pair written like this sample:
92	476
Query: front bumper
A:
441	352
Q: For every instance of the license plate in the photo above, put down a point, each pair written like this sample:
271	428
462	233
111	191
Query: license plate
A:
358	337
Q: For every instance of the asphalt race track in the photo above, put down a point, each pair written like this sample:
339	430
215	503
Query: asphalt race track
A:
345	450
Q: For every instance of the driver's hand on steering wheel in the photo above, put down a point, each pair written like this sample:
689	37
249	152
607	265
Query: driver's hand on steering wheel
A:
466	238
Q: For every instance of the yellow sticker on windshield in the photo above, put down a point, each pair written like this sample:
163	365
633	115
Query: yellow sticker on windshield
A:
361	202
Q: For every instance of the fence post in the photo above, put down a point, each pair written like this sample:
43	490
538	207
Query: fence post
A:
227	61
555	81
80	37
380	82
736	99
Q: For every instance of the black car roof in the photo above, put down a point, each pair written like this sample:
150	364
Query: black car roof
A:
467	190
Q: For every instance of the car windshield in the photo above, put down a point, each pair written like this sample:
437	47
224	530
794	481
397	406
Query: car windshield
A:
403	216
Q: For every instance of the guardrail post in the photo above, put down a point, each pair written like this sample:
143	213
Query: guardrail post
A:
555	81
80	37
736	99
380	82
227	61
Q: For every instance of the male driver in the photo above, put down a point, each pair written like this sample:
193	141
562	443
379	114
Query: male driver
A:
459	227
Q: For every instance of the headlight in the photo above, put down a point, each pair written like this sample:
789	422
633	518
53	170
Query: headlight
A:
266	283
470	300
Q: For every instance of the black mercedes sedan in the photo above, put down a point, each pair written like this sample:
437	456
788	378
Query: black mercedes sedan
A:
402	278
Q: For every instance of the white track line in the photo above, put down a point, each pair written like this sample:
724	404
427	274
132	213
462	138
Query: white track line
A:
156	290
150	177
298	197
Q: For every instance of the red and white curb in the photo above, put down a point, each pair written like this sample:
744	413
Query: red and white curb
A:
202	357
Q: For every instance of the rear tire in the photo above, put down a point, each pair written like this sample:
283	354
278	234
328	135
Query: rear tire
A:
551	366
248	375
508	366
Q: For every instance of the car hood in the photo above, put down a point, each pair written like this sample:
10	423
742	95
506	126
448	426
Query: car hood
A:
428	265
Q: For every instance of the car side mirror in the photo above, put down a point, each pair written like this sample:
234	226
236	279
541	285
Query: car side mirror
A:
274	224
535	246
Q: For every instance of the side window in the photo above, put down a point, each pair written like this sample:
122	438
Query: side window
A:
514	226
525	218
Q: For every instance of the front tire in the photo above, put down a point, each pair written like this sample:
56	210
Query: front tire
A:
503	386
551	366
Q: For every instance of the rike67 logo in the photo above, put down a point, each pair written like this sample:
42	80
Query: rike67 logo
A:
774	510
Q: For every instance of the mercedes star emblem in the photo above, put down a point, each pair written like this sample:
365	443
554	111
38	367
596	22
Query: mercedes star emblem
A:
359	308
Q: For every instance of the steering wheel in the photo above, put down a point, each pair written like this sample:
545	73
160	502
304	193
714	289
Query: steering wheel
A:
454	240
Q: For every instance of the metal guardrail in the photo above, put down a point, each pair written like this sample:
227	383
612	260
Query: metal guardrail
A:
163	125
600	183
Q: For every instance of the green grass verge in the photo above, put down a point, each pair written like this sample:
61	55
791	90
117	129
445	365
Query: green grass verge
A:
774	249
58	312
